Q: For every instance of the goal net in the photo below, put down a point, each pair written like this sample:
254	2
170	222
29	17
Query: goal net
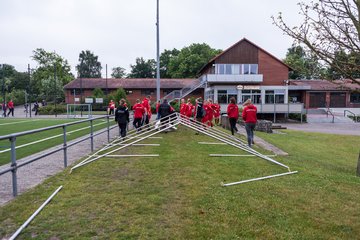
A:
79	110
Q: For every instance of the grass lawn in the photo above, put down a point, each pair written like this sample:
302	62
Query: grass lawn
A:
178	195
9	126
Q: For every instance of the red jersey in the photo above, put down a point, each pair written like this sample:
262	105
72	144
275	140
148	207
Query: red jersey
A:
233	111
138	110
111	105
189	110
249	114
216	108
10	104
209	112
157	107
147	106
183	108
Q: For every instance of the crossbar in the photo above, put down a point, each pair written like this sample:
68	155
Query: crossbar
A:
260	178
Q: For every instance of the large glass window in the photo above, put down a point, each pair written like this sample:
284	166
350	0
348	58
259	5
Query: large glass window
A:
355	97
246	68
253	69
254	95
269	96
236	69
225	95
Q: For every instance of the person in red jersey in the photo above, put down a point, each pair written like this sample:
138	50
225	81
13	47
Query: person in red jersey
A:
111	107
139	112
10	106
250	119
190	108
147	107
209	112
216	108
157	110
183	107
233	114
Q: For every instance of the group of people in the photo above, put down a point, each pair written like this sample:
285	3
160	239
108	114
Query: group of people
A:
8	106
205	112
248	115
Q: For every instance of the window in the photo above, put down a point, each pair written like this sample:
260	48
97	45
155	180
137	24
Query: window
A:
246	68
228	68
355	97
236	69
254	95
222	96
253	69
147	92
269	96
225	95
76	91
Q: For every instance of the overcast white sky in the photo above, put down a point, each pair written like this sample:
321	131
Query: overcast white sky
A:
118	31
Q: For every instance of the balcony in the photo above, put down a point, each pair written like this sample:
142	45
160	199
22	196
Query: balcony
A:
235	79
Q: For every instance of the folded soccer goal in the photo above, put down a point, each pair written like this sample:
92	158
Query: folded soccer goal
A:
79	110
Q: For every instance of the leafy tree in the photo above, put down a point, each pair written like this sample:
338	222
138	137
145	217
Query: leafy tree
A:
189	60
165	58
328	27
89	66
7	73
304	65
118	72
98	93
52	73
143	68
344	60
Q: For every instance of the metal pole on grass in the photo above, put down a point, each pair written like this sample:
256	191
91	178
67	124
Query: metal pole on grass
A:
29	74
34	214
157	53
108	127
92	135
65	147
13	165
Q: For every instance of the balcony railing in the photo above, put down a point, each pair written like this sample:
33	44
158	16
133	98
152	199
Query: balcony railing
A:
232	78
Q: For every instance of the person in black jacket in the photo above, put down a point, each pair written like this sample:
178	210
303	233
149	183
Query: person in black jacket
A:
165	110
122	117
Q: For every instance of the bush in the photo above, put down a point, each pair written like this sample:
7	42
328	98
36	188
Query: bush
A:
51	110
297	116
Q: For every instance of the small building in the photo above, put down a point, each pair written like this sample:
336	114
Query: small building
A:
245	70
135	88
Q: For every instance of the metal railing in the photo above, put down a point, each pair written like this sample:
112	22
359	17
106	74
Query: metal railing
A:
355	116
331	113
12	138
177	94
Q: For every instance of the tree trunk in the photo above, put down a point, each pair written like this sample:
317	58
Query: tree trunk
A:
358	167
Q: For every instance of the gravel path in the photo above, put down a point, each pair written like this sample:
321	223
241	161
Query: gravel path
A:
36	172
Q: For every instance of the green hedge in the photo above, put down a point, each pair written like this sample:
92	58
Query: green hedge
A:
51	110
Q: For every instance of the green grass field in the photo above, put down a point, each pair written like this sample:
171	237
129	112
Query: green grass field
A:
9	126
179	196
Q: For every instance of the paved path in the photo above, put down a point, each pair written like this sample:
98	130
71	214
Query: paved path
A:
262	143
35	173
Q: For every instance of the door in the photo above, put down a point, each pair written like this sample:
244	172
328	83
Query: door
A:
338	99
317	100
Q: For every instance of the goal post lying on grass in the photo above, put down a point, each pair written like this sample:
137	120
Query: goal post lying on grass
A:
79	110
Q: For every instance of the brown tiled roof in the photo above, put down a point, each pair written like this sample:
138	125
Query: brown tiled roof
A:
231	47
321	85
128	83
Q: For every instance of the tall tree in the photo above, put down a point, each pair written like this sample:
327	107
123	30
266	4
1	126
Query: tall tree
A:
344	60
89	66
52	73
143	68
190	60
304	65
329	26
165	58
118	72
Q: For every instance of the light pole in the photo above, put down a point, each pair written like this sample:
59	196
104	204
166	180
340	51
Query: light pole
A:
157	54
